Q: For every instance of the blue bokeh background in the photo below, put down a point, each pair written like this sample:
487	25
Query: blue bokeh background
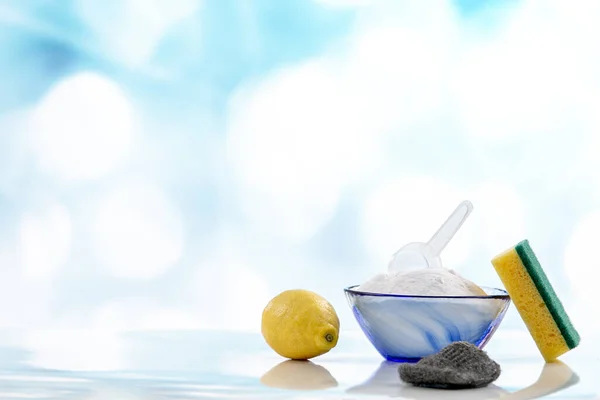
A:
175	164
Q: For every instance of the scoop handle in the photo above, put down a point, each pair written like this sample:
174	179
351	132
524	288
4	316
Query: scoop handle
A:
446	232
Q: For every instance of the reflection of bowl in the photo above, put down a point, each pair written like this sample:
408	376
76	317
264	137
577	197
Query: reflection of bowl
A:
407	328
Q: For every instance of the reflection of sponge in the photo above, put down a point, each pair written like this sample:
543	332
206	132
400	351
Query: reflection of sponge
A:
534	297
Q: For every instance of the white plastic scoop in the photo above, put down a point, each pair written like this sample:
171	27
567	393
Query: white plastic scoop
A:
419	255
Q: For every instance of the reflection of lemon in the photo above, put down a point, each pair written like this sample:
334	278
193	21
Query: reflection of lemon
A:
298	375
300	324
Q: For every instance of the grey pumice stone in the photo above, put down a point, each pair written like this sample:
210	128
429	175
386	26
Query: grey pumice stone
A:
460	365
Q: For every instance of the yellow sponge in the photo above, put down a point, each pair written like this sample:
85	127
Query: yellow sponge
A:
536	301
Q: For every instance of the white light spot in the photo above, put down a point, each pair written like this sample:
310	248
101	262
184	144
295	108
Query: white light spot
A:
302	135
13	146
293	145
410	210
505	92
580	255
400	87
137	232
45	241
83	128
396	65
344	3
129	30
141	314
586	163
581	266
501	219
216	290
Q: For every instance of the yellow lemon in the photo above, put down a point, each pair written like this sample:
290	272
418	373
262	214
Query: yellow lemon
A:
300	324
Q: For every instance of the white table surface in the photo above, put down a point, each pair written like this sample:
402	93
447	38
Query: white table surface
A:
66	364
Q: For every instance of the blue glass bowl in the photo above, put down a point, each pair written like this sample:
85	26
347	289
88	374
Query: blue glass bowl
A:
405	328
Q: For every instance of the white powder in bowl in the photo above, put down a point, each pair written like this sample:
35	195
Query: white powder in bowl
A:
423	282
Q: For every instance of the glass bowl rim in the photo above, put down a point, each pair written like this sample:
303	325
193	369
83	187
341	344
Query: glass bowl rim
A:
502	296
